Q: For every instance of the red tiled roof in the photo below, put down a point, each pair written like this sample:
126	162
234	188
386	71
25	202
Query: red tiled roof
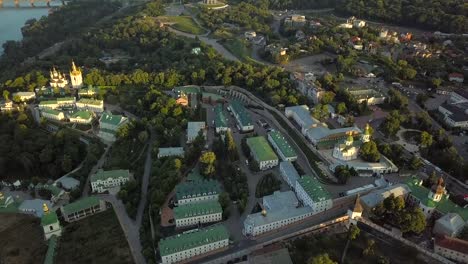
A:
452	243
456	75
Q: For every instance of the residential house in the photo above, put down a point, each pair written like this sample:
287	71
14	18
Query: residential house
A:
456	77
452	248
295	21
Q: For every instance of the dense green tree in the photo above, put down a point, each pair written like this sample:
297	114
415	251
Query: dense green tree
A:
322	259
369	152
207	163
426	139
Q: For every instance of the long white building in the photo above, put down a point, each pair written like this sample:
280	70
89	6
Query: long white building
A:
91	105
197	191
289	173
52	114
301	115
197	213
311	192
24	96
105	180
279	210
193	243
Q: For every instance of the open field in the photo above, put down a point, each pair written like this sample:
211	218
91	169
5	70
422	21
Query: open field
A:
184	24
96	239
21	239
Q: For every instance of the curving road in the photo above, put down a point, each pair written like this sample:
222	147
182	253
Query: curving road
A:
209	41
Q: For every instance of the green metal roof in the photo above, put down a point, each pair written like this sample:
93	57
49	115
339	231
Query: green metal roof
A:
89	89
314	188
192	239
65	99
197	209
111	119
49	218
444	206
105	130
197	188
194	175
90	101
244	116
187	89
213	96
220	118
52	245
104	175
53	189
282	144
260	149
49	102
82	114
80	205
51	111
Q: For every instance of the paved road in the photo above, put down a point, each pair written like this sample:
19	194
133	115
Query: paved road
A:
129	227
145	181
340	208
86	189
212	42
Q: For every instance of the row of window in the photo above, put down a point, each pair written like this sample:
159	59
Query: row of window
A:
179	256
265	228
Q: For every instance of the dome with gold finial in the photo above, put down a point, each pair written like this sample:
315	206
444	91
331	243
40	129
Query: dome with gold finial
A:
75	70
367	129
439	187
45	208
264	212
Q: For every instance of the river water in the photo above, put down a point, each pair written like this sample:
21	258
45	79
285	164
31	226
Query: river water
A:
12	19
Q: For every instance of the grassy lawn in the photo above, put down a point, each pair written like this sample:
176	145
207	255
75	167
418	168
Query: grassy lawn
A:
96	239
21	239
186	24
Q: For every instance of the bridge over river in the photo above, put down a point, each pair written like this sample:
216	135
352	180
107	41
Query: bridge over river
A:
29	3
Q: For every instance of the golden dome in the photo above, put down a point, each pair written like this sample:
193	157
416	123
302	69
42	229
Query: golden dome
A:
75	70
45	208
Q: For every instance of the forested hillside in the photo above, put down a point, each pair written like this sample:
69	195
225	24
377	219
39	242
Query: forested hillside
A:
27	151
445	16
